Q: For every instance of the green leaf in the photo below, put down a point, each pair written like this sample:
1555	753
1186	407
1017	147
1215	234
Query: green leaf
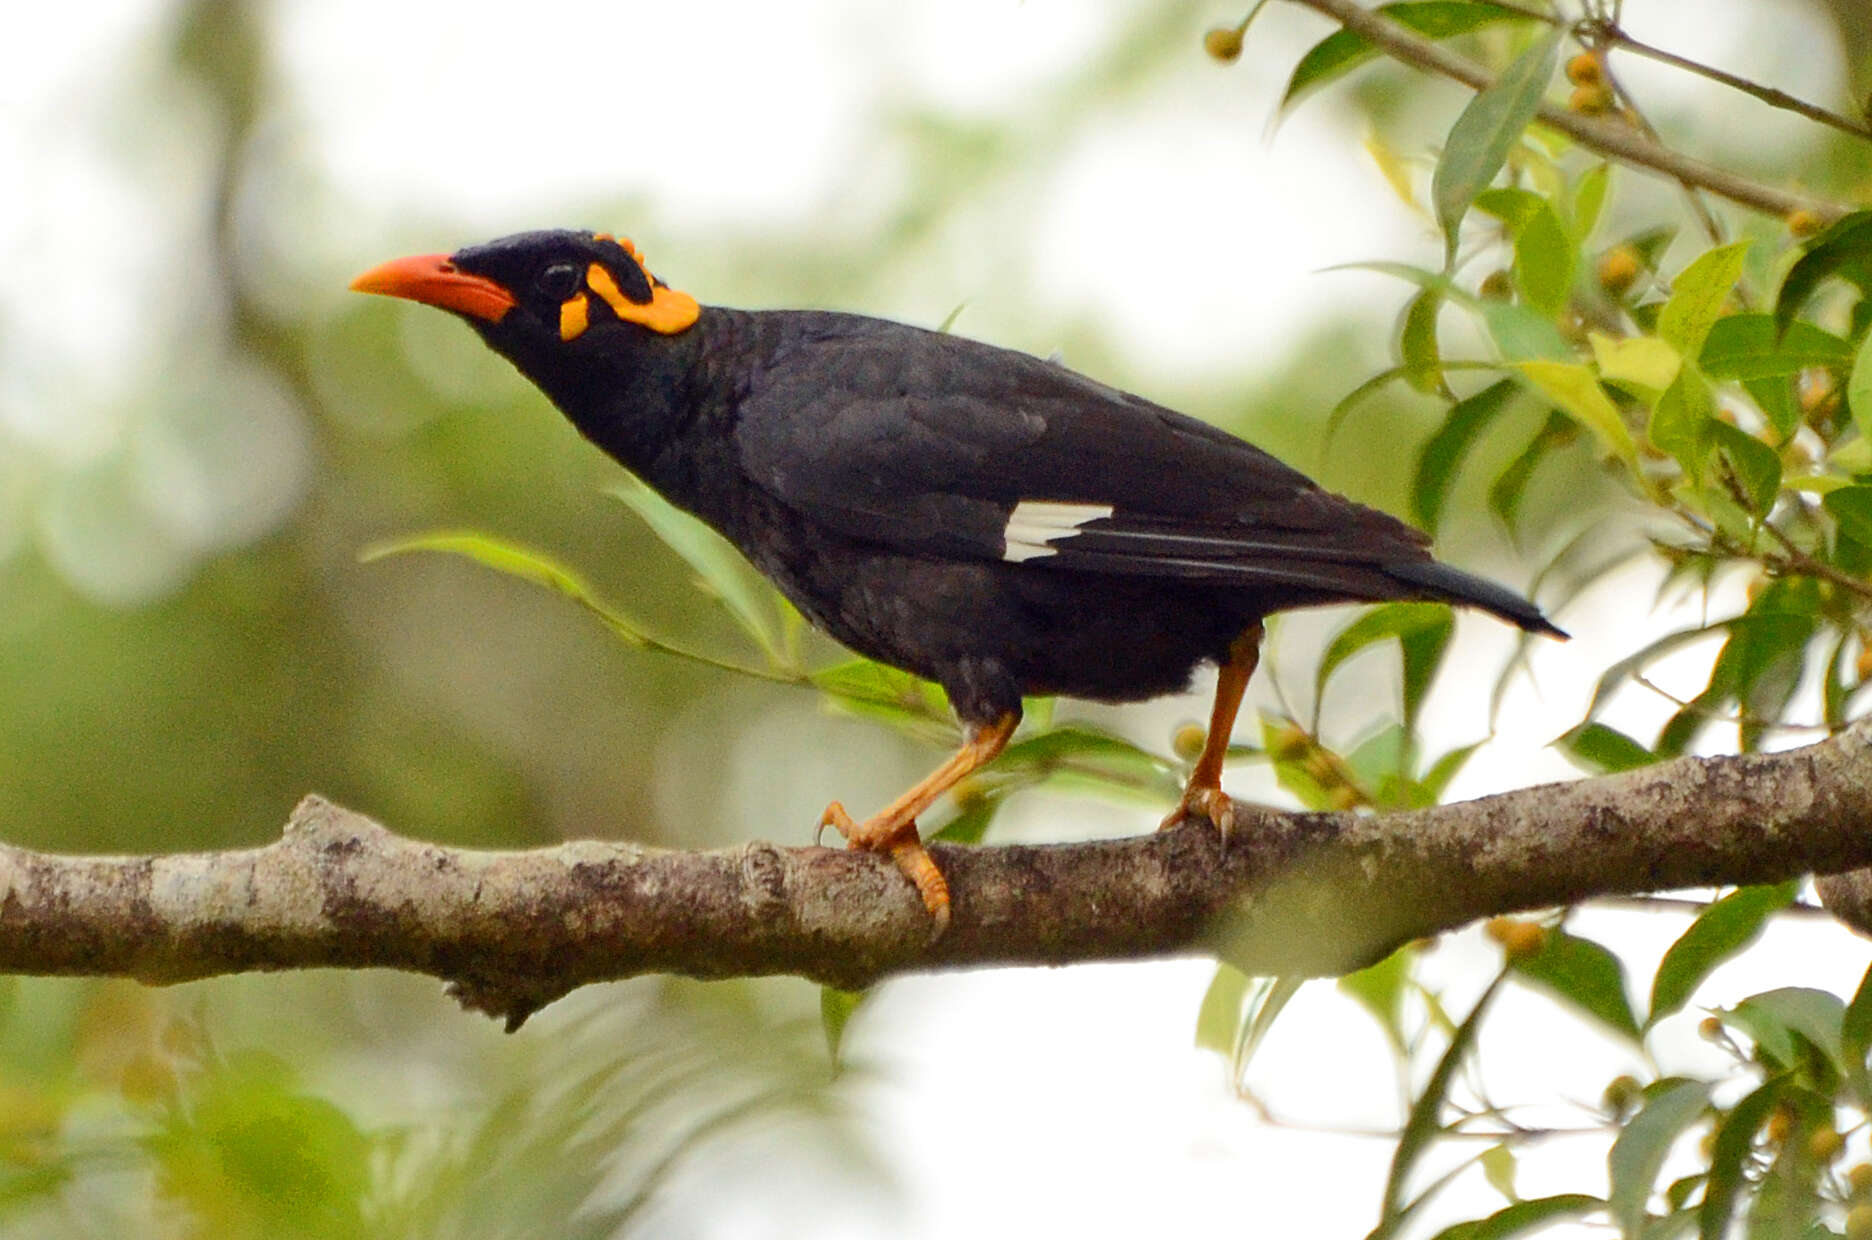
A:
1380	989
1417	342
1522	335
499	555
883	692
1643	361
1778	402
1735	1138
1843	249
517	561
1856	1032
1522	1217
1615	677
1498	1168
1744	346
1422	277
1444	769
1510	204
1719	932
250	1146
1681	422
1852	508
1422	631
720	569
1697	297
1859	388
1381	765
1436	464
1603	750
1575	390
1638	1154
1854	456
1761	664
1757	467
1102	758
1840	683
1506	492
835	1012
1589	200
1544	258
970	823
1425	1119
1343	51
1544	252
1582	973
1267	996
1489	126
1221	1012
1815	1015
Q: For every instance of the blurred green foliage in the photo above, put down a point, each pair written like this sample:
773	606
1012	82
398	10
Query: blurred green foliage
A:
1716	383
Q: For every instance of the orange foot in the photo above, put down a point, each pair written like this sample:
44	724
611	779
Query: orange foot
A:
1203	802
897	838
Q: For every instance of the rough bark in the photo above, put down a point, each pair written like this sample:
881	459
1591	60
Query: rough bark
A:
1293	893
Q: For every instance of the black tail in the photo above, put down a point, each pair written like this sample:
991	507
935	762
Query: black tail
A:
1455	586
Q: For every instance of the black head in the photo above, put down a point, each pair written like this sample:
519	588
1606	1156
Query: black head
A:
525	291
580	315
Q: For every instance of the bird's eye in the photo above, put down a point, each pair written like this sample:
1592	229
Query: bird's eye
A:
559	281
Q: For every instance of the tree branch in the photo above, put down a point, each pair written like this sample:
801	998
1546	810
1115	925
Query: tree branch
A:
1294	893
1612	35
1610	137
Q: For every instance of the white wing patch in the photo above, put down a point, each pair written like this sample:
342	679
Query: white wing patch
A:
1035	525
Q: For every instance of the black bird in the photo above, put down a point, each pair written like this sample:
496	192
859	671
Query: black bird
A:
985	519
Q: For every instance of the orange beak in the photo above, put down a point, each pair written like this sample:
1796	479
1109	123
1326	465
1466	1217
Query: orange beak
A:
433	280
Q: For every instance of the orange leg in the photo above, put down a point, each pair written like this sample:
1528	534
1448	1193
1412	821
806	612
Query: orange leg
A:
893	829
1203	795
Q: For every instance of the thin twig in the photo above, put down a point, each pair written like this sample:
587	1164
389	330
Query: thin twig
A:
1712	227
1614	139
1606	30
1609	32
1793	559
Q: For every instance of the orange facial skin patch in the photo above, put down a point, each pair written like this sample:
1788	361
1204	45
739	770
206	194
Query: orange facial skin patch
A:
667	311
574	316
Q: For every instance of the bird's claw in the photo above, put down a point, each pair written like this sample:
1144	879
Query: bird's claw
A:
834	816
901	843
1211	804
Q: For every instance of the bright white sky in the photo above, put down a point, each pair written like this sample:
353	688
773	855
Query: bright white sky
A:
1014	1103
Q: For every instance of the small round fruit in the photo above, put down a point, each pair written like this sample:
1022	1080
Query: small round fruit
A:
1519	939
1804	223
1621	1094
1223	43
1187	741
1618	269
1591	100
1824	1145
1585	70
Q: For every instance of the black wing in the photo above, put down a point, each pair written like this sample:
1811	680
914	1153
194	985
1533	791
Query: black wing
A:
934	444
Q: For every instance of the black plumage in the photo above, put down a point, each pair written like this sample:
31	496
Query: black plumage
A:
988	520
